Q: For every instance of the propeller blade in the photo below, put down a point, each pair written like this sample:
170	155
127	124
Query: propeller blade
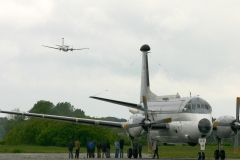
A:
166	120
144	99
215	124
127	126
149	142
236	143
237	109
145	106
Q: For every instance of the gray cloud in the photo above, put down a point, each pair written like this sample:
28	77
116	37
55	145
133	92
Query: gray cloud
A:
196	41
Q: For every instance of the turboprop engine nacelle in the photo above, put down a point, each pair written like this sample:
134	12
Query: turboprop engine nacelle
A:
224	131
135	131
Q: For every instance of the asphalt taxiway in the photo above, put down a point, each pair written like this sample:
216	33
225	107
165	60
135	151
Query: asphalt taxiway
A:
50	156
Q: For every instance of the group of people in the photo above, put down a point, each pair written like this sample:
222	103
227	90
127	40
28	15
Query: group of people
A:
70	148
103	149
119	148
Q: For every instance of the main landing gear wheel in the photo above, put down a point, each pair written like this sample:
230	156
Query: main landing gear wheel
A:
216	155
129	153
219	153
201	156
222	154
135	153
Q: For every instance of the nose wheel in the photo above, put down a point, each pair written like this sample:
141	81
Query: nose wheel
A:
201	154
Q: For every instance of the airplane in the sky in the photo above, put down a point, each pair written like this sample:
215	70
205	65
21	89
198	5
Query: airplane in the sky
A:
64	48
168	119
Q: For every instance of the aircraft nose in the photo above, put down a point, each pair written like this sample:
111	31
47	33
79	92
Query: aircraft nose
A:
204	126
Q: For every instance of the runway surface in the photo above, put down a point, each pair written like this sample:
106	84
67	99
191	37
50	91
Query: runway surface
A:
50	156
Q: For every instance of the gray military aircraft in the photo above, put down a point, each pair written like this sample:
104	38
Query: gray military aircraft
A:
64	48
168	119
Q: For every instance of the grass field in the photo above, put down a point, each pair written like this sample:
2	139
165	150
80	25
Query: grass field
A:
164	151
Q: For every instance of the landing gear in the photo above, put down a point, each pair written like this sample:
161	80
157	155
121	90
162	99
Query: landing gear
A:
201	154
129	153
135	153
219	153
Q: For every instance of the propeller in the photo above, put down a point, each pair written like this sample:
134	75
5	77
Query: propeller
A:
149	140
146	124
234	125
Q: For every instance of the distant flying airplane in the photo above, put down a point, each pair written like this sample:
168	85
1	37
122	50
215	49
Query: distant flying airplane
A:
168	119
64	48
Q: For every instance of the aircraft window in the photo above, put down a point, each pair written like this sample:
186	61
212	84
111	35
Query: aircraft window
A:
193	106
198	106
206	106
189	107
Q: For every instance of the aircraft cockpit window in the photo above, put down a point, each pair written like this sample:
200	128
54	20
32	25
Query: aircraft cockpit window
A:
189	107
198	106
193	106
206	107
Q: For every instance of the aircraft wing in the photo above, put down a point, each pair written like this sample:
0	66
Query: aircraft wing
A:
70	119
127	104
71	49
50	47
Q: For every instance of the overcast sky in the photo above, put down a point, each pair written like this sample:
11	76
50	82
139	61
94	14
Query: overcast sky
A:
197	44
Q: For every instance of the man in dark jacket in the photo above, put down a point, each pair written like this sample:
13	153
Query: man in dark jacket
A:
104	149
88	150
99	149
156	151
121	147
108	149
70	149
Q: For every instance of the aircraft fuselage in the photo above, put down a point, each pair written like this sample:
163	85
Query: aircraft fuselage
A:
191	119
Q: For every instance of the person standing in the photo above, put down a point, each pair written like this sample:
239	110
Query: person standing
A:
77	146
99	149
88	150
140	149
70	149
104	149
121	147
108	149
117	146
156	151
91	148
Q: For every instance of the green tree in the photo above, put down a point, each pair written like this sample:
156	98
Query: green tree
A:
63	109
42	107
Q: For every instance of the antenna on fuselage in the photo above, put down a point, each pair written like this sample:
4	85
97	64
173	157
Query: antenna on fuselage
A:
62	41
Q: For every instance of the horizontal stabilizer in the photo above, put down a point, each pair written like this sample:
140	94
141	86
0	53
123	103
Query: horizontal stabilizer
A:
127	104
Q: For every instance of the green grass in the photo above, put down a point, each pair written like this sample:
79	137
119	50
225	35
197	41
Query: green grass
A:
177	151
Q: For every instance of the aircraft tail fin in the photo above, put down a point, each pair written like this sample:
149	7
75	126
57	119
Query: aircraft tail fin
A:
145	83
